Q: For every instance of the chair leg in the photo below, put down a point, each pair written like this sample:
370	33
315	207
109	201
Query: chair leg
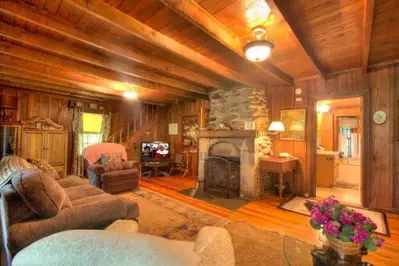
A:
185	173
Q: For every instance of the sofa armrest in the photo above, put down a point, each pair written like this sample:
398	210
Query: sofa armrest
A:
97	214
215	247
95	171
130	165
61	174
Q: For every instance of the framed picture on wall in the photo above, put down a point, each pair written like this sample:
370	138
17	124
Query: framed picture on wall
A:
190	131
294	124
174	129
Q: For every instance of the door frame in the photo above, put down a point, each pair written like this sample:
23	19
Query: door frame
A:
365	171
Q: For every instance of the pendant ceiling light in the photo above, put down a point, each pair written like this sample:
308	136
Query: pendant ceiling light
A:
259	49
130	94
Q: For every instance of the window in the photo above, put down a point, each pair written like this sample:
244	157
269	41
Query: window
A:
91	130
347	150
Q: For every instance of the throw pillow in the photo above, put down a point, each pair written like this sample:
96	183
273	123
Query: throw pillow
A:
112	161
40	192
45	167
10	165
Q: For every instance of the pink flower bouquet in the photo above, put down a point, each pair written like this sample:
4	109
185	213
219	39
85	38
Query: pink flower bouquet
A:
338	221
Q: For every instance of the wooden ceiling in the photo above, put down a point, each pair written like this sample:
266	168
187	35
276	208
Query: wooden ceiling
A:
182	49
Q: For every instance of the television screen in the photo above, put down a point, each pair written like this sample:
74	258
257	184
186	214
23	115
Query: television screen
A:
155	151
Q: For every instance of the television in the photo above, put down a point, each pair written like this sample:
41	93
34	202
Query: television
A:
155	151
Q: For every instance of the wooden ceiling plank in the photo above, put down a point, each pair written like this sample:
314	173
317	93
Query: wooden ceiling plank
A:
367	28
198	16
277	8
54	47
51	23
134	27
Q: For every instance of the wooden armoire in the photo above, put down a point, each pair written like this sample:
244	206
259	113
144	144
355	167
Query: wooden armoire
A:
46	140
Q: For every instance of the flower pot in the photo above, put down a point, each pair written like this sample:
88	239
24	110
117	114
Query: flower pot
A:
343	248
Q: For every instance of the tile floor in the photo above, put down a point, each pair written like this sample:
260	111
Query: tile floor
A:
348	196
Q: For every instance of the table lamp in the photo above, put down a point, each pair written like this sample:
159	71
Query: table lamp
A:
275	127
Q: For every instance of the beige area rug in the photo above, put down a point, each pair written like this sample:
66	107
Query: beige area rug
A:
172	219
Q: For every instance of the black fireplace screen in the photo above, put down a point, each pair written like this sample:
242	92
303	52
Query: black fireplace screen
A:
222	177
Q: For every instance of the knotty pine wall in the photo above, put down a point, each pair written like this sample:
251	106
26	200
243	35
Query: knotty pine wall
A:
55	107
126	110
380	88
175	115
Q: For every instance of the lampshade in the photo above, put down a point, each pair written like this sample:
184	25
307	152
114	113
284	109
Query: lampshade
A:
258	50
130	94
276	126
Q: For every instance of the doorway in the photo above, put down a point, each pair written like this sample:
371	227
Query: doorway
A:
339	149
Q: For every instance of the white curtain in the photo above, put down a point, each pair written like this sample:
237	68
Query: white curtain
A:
343	143
355	145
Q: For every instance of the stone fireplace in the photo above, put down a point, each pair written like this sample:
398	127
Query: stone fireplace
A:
228	160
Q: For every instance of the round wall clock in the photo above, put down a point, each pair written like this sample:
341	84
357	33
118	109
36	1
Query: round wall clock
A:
379	117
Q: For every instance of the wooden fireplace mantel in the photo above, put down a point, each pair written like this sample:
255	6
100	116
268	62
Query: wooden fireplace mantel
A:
228	133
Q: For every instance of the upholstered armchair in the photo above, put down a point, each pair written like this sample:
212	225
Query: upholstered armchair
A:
115	181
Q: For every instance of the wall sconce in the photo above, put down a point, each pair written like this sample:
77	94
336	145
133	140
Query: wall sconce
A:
323	108
275	127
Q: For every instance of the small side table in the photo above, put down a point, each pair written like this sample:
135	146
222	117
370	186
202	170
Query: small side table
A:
154	165
280	166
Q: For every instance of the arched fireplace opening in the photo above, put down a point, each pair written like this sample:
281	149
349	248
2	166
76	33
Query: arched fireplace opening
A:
222	170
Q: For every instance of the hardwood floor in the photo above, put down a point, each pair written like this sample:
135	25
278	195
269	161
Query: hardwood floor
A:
265	214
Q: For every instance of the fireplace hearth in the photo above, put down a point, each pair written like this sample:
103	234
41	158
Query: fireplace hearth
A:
222	170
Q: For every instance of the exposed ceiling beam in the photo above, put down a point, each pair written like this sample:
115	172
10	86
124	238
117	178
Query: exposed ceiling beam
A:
194	13
50	22
112	16
55	47
19	77
277	7
31	85
42	75
12	69
367	28
87	82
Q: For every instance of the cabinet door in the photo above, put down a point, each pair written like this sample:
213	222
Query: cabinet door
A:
55	147
33	145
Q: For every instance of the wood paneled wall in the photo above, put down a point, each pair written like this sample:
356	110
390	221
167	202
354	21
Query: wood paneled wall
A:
55	107
380	90
175	115
128	110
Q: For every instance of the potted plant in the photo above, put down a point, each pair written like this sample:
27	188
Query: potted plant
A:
348	232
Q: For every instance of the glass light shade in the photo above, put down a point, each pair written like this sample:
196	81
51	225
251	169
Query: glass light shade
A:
130	94
276	126
258	50
257	12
